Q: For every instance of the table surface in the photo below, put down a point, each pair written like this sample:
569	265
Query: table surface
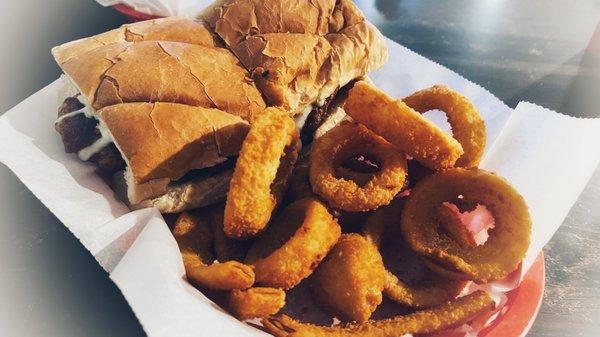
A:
538	51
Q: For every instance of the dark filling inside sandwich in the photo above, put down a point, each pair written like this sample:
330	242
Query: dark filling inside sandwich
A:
320	113
79	132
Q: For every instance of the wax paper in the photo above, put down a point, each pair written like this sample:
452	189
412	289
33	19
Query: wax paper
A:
548	156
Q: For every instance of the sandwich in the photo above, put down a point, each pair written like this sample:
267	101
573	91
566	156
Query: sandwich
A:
122	99
300	53
161	107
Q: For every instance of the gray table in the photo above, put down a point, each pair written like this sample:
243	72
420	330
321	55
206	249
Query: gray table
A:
519	50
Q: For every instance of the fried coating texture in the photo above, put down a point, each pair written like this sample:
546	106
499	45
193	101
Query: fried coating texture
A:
294	244
345	141
445	271
402	126
256	302
450	221
431	291
194	237
468	128
349	282
448	315
251	199
507	243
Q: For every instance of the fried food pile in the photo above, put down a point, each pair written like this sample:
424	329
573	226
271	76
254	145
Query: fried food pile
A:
373	209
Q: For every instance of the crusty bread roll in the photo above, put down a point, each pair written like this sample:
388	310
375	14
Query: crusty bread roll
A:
234	20
162	71
174	29
174	100
298	52
162	142
166	140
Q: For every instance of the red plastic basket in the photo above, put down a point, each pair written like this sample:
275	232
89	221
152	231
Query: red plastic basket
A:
132	14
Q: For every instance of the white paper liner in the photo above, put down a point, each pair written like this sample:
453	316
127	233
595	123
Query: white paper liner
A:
549	157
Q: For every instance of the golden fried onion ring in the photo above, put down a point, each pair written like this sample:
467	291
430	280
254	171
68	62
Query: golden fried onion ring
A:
448	315
468	128
251	200
445	271
433	290
342	142
194	237
428	293
294	244
508	241
402	126
451	222
349	282
256	302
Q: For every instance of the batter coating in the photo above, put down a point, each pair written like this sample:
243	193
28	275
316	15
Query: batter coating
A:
251	200
345	141
194	238
402	126
256	302
507	243
430	291
451	314
468	128
350	280
294	244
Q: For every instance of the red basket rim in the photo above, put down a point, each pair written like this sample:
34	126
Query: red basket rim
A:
133	14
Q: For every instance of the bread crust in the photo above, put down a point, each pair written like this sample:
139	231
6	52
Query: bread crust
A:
298	52
162	71
169	78
166	140
176	29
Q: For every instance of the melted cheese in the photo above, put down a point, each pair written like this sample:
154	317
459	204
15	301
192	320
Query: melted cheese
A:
69	89
105	139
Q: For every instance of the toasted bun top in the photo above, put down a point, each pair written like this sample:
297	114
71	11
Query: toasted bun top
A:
234	20
174	29
298	52
166	140
153	71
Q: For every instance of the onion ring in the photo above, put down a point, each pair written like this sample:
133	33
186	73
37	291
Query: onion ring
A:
445	271
507	243
468	128
194	238
342	142
402	126
256	302
349	282
448	315
431	290
293	246
251	199
451	222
